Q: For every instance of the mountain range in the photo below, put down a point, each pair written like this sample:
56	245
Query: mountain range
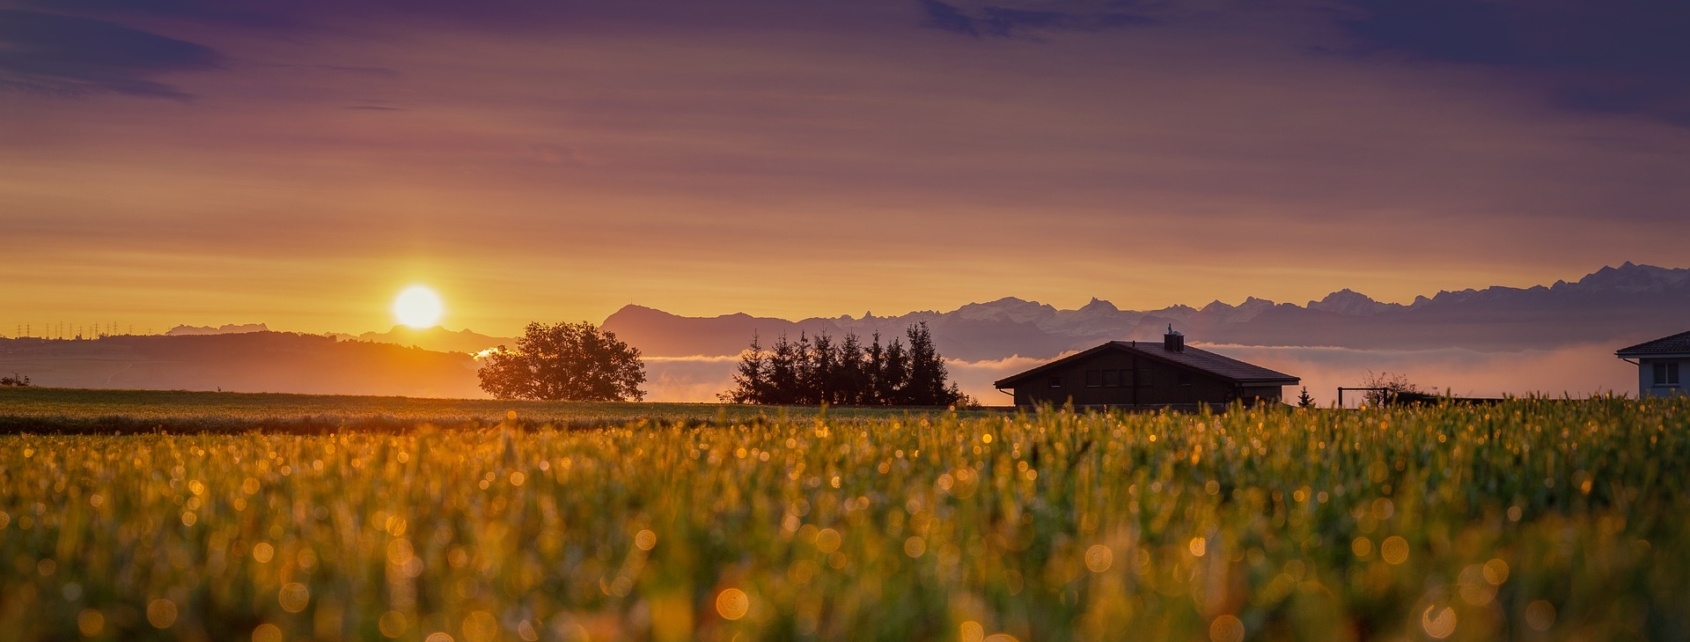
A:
1614	304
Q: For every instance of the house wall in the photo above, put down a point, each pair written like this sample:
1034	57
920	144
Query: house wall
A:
1157	383
1264	393
1648	387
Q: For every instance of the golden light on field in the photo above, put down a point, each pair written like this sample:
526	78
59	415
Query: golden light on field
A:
766	578
732	604
418	307
1226	628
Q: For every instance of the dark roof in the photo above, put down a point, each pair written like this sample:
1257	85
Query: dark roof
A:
1191	358
1675	344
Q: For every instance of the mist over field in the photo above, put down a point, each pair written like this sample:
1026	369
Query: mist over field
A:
1576	371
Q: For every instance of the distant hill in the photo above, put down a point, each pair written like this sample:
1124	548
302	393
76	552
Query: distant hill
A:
436	338
242	362
1614	304
227	328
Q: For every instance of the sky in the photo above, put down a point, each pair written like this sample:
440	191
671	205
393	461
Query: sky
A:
205	162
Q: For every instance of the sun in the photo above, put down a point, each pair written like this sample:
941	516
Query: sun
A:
418	307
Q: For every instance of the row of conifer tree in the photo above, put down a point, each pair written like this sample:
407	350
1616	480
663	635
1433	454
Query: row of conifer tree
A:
821	369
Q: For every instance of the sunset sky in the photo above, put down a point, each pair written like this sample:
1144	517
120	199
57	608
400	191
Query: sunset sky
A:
205	162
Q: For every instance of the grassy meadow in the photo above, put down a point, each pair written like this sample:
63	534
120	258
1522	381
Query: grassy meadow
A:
457	522
67	410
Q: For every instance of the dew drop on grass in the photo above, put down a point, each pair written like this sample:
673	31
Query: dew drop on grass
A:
1540	615
161	613
267	633
971	631
1394	550
1438	621
732	604
393	624
294	597
1226	628
1099	558
90	622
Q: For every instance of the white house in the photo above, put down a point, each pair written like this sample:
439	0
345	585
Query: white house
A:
1661	365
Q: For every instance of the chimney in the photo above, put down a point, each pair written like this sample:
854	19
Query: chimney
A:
1173	341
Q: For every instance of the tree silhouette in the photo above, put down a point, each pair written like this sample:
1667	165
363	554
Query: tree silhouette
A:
751	379
850	379
565	362
891	375
1394	389
1304	399
819	369
926	385
783	373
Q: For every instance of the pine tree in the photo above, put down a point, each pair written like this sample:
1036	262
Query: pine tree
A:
1304	400
822	371
849	379
926	385
843	372
804	371
874	367
751	380
891	386
783	373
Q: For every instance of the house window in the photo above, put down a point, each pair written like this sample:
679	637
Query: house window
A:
1111	378
1094	378
1666	374
1126	379
1056	382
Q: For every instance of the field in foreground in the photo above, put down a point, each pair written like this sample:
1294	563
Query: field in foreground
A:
1527	520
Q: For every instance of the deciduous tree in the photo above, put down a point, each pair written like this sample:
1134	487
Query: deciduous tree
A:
565	362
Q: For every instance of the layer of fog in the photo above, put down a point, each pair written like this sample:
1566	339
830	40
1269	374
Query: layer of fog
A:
1575	371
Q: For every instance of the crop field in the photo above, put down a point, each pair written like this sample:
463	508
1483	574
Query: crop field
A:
61	410
1527	520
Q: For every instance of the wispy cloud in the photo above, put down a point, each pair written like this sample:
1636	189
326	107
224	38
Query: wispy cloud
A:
243	13
376	72
1610	57
74	56
1008	22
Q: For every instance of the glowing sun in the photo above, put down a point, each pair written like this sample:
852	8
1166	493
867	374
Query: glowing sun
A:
418	307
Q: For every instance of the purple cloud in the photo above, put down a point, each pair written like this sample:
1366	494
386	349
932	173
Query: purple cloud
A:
67	55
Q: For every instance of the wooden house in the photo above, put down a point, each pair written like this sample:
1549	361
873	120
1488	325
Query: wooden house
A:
1143	374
